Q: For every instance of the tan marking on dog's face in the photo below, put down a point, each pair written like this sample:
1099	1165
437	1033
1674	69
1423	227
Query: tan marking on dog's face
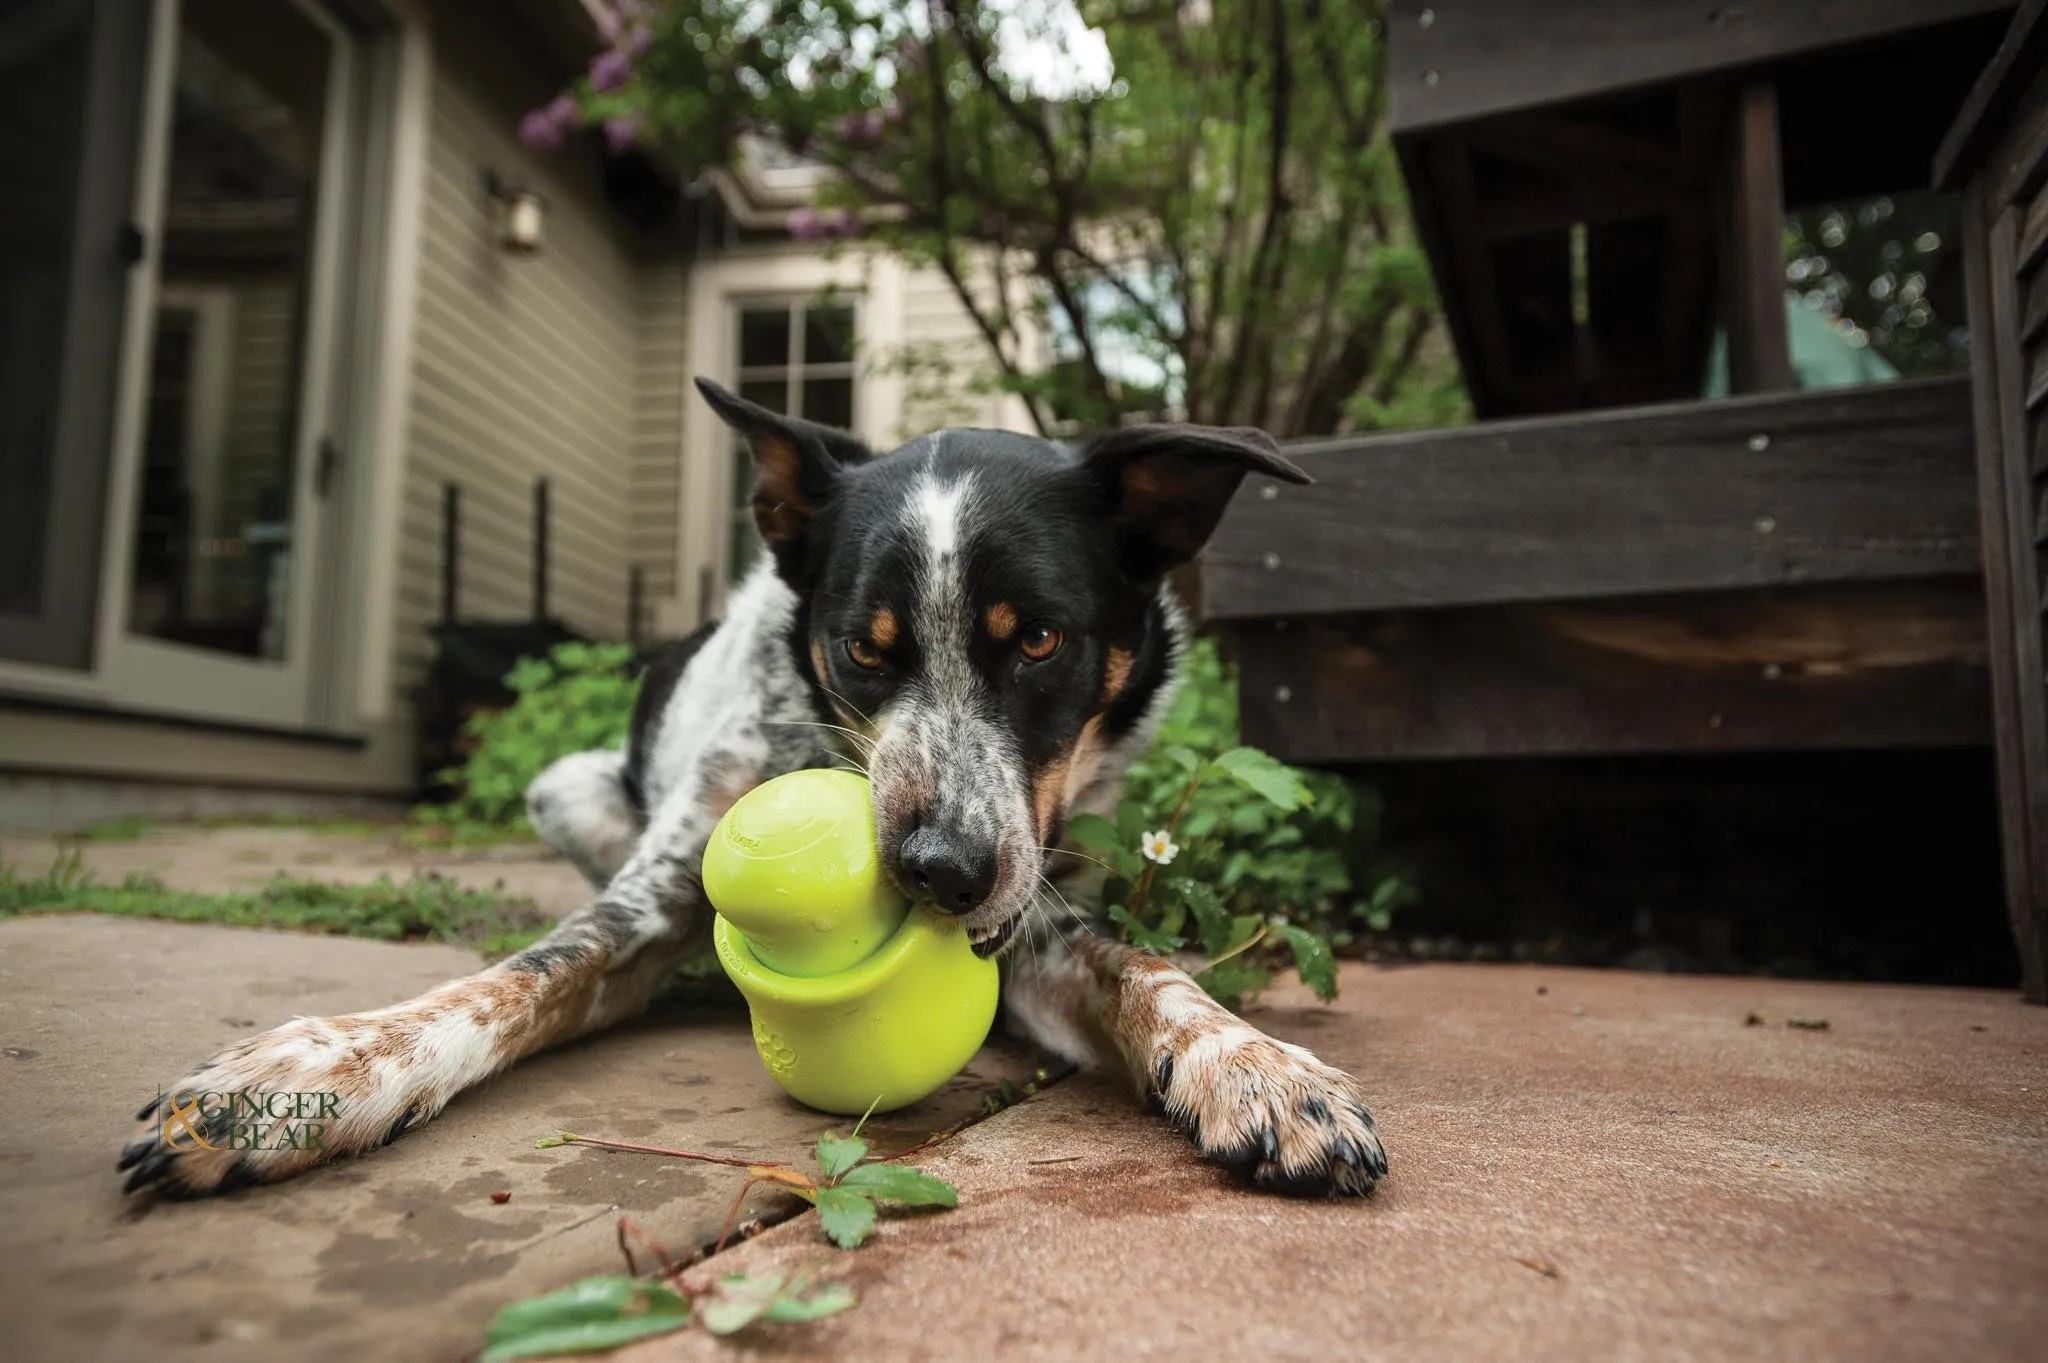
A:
1116	674
1057	784
882	628
1001	620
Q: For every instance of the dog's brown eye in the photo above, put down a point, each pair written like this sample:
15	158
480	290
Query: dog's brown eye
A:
1038	643
863	654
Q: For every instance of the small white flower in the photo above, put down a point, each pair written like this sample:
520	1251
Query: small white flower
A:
1159	847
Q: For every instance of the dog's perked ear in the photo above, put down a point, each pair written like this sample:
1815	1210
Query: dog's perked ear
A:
795	463
1169	485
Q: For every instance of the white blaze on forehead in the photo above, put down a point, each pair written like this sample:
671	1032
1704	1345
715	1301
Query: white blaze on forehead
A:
936	510
936	517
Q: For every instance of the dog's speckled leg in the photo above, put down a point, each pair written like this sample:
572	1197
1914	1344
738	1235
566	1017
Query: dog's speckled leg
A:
392	1069
1268	1109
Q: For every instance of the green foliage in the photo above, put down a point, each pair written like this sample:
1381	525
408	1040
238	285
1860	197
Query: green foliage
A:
1883	272
427	907
1263	855
1210	223
597	1313
602	1313
846	1191
613	1309
578	698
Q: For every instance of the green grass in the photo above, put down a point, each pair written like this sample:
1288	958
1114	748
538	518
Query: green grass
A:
425	908
414	833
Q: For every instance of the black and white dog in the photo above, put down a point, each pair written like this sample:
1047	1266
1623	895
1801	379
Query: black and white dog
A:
980	620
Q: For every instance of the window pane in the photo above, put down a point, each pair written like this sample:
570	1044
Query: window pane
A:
214	529
828	335
744	549
764	337
44	80
829	401
770	393
742	476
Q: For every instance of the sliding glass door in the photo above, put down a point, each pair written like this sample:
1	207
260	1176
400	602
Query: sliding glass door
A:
70	101
176	452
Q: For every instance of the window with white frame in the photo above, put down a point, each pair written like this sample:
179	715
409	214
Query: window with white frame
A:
795	357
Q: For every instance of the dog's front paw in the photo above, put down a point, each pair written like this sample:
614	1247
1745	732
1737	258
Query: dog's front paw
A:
273	1106
1270	1111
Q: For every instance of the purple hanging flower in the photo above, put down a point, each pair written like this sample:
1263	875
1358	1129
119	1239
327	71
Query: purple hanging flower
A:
619	132
610	71
639	36
860	127
806	225
841	222
548	127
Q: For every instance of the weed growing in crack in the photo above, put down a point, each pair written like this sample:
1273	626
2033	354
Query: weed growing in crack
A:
613	1309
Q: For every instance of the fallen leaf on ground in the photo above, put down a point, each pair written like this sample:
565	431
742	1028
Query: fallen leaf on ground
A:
501	1197
1753	1020
1543	1266
1808	1024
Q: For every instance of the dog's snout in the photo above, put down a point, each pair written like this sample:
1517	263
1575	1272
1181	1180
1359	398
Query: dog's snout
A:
957	875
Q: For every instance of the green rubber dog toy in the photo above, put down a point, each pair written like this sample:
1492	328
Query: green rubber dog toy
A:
857	1000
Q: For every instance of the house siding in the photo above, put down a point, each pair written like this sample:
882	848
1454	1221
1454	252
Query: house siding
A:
963	392
523	367
661	388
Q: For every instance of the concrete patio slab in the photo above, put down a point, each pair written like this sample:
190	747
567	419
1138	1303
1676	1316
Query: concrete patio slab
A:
213	860
1585	1166
400	1256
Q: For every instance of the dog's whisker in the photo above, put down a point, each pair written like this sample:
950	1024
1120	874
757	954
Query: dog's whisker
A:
1078	856
867	743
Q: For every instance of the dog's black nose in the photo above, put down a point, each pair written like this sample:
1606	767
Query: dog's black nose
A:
956	877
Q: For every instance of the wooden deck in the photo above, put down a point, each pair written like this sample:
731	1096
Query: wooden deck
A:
1786	572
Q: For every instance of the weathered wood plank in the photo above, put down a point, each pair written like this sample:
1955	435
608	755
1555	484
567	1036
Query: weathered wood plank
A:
1759	350
2016	619
1988	109
2008	574
1495	56
1867	665
1861	483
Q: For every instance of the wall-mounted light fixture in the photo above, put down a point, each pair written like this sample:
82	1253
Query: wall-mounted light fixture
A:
520	212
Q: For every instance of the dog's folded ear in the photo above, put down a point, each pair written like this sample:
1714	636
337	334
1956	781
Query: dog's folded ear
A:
795	462
1169	485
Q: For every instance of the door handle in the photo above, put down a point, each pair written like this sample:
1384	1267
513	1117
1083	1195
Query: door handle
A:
326	460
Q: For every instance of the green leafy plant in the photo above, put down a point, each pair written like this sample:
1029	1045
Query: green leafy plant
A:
607	1311
612	1309
579	697
845	1190
1223	849
1198	206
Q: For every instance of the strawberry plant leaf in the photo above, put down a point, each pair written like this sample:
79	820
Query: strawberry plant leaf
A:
837	1154
821	1301
1266	776
595	1314
1138	934
1312	960
1212	916
1093	833
897	1183
846	1215
737	1301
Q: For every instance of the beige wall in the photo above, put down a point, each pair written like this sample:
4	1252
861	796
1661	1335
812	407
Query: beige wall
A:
901	313
522	366
661	390
568	364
